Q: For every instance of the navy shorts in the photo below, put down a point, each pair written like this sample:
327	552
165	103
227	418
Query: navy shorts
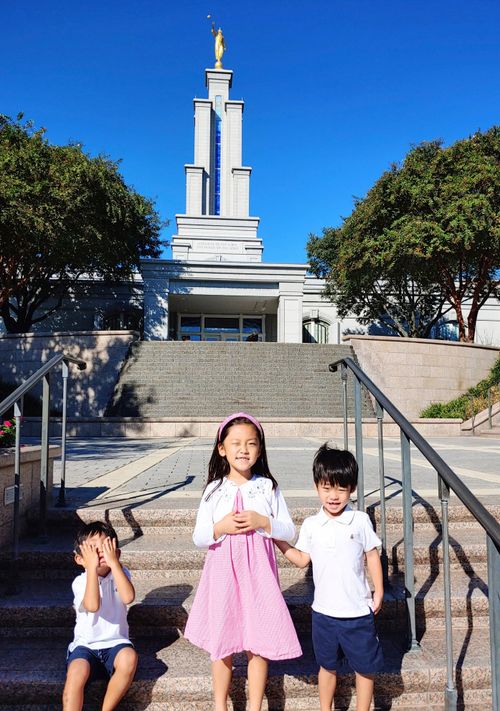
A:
356	637
100	660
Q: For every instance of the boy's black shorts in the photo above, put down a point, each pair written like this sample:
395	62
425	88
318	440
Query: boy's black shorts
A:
356	636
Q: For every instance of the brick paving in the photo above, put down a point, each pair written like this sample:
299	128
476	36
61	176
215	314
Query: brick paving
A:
178	479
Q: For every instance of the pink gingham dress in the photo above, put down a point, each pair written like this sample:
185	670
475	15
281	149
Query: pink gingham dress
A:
239	605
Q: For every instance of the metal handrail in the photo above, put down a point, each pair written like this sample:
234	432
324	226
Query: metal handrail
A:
34	379
15	400
447	479
485	389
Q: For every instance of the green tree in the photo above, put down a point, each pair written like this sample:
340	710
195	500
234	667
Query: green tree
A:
423	241
63	214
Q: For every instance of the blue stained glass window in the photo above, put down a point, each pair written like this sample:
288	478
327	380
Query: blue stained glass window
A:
217	156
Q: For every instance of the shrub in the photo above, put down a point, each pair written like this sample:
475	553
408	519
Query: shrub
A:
471	402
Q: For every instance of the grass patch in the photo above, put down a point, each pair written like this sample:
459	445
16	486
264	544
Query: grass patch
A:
474	400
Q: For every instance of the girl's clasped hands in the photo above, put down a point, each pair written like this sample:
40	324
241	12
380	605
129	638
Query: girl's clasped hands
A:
242	522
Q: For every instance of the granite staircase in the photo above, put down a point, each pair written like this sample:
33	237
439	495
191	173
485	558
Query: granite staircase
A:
36	624
286	380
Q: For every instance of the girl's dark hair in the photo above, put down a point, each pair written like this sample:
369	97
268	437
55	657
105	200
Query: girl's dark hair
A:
90	529
218	467
335	466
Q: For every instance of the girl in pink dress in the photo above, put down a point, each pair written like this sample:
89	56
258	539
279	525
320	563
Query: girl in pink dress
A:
239	605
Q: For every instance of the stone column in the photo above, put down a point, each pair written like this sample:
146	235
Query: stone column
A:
241	191
195	193
156	289
218	83
290	312
203	148
232	151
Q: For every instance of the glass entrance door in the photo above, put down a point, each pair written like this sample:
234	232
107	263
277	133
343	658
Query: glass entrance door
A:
220	328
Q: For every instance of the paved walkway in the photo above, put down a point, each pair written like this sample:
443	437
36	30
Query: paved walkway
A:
171	472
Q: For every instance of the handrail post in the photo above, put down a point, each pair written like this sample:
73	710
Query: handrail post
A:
490	424
13	587
343	376
473	416
61	501
450	695
359	443
379	411
408	540
44	462
493	553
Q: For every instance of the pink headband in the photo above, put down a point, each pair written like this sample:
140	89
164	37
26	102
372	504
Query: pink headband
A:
235	416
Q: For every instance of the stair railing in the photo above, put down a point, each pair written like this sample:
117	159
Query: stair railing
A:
15	400
489	389
447	480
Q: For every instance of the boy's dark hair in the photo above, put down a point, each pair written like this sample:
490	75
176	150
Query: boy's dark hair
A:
335	466
87	530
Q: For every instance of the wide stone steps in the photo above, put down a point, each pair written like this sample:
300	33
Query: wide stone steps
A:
174	550
173	674
36	624
163	601
141	519
493	432
266	379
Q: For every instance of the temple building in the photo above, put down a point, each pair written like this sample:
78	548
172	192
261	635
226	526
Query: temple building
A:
216	286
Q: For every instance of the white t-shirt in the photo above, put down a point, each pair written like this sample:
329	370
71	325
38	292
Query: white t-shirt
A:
337	547
257	494
108	626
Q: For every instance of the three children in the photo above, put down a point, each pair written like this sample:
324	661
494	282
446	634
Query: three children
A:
238	604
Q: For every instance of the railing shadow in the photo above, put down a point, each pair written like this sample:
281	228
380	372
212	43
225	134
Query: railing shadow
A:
160	630
388	685
435	569
466	567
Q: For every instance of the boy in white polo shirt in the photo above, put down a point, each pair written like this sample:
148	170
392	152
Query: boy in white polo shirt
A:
338	540
101	642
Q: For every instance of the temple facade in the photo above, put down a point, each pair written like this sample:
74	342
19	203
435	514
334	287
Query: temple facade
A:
216	286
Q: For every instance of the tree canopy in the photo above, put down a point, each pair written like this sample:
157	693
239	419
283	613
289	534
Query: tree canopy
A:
63	214
423	241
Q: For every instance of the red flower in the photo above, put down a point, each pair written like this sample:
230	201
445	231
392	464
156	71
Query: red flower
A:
7	423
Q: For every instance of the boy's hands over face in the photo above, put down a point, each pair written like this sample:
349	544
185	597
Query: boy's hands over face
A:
110	551
89	555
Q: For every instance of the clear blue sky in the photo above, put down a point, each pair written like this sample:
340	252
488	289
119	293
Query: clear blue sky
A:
334	90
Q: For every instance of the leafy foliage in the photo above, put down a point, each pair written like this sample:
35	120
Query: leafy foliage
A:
474	400
63	214
423	241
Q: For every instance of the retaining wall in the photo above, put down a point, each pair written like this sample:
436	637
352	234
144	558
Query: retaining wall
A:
414	372
30	487
21	355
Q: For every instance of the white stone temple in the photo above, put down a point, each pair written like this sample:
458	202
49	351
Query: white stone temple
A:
216	286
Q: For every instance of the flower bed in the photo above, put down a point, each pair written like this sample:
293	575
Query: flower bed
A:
7	433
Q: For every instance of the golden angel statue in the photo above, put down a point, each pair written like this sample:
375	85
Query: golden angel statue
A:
219	46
